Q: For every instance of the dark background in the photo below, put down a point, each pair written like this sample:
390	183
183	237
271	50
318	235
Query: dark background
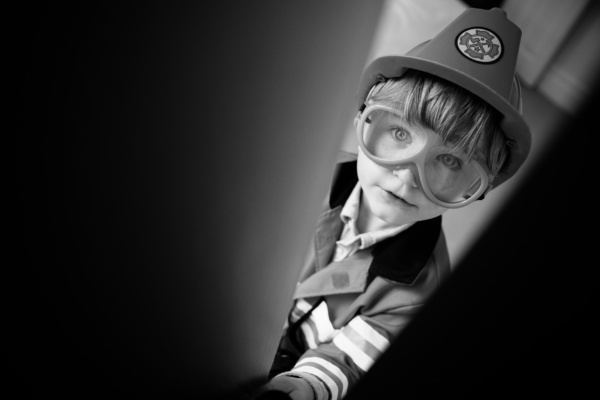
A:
518	318
167	160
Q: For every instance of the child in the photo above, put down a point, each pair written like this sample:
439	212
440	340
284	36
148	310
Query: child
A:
438	128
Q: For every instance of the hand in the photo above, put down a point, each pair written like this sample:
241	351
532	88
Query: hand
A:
286	388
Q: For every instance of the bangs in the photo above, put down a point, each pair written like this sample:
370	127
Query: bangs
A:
463	121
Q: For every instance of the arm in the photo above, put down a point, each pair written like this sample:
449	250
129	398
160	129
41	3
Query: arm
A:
328	370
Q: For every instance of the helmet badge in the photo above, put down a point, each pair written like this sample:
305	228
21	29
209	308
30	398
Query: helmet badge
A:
480	45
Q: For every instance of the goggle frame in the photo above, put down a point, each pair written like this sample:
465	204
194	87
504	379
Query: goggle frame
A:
418	159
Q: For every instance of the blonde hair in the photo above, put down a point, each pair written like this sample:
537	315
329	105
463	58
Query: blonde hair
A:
463	120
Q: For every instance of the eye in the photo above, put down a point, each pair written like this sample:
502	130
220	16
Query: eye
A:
450	161
400	134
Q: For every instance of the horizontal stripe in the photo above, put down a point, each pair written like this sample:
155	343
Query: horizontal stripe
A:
360	358
333	388
330	367
361	343
369	333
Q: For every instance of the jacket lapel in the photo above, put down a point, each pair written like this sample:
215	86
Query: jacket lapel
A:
329	229
402	257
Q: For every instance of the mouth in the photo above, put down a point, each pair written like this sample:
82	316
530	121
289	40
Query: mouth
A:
399	201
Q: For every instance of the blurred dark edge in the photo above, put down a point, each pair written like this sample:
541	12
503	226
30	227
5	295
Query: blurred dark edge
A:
124	201
518	318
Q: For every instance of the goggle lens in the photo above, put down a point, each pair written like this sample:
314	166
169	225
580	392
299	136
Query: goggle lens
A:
451	178
385	136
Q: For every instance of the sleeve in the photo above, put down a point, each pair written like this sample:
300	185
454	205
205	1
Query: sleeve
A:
332	367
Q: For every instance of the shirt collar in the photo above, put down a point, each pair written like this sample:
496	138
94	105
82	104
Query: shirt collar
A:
350	210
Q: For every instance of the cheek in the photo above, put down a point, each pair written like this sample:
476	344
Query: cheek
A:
367	170
361	169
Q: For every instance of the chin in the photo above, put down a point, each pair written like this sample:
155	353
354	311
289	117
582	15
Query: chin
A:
392	217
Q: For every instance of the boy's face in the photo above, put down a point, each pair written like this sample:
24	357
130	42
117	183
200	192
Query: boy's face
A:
393	196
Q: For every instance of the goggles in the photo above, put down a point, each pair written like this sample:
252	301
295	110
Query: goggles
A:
449	178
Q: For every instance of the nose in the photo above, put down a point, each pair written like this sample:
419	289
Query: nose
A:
406	176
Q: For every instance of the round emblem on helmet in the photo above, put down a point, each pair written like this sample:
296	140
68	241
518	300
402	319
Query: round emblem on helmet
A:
480	45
